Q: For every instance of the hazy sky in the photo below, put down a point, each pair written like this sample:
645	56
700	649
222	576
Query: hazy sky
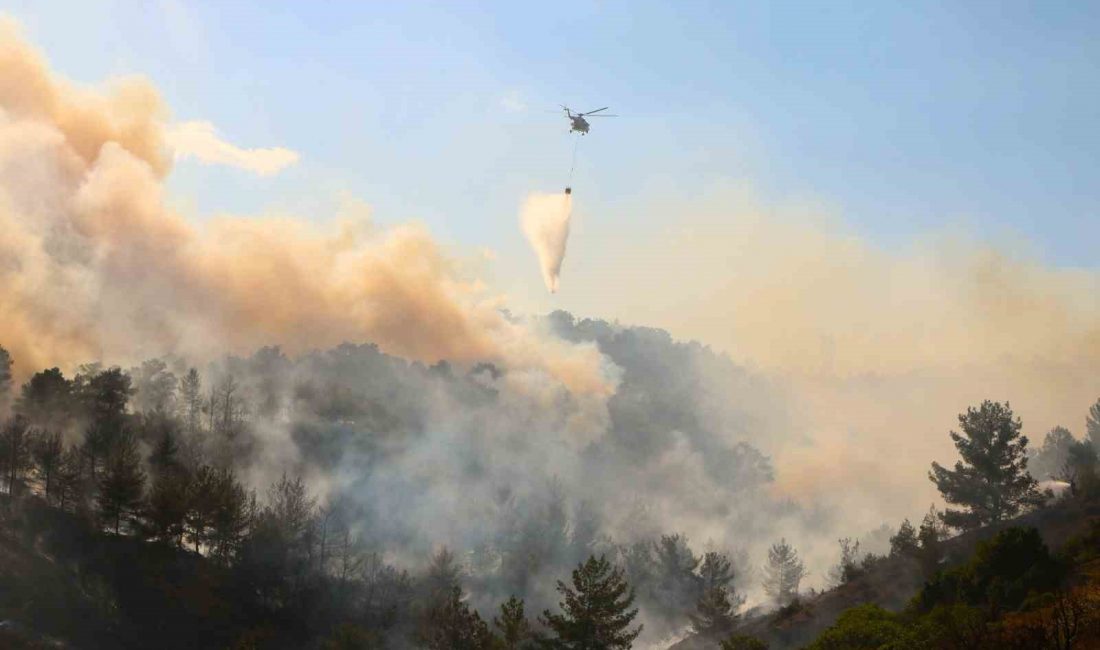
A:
902	118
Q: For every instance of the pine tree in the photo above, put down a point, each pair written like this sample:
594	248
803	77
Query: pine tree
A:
512	625
442	577
904	543
452	625
48	451
1092	426
5	380
168	506
15	452
122	484
47	400
930	537
191	401
676	586
165	455
848	568
70	480
596	610
716	570
716	609
991	482
231	516
199	520
715	615
104	395
783	573
1047	461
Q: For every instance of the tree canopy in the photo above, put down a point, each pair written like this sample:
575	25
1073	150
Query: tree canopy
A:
990	483
596	610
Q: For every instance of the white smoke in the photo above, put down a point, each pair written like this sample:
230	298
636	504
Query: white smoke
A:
545	222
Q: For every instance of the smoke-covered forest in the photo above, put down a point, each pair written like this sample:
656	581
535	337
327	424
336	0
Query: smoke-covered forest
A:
351	499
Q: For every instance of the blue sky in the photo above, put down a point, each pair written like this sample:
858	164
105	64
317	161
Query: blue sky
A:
904	117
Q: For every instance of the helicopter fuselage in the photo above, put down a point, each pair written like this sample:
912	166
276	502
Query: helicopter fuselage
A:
580	125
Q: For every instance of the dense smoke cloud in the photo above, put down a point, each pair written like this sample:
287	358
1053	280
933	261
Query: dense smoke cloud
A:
545	220
94	265
880	349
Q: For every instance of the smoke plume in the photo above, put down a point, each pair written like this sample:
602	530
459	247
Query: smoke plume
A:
878	348
545	221
94	265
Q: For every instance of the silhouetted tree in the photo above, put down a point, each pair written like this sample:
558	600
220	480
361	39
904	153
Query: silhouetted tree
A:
48	450
991	481
15	452
292	508
716	570
169	506
676	585
904	543
1079	468
512	625
154	387
848	568
70	484
165	454
233	511
451	624
47	400
1092	426
5	380
597	612
441	578
715	613
122	483
1049	458
638	566
386	594
191	401
783	573
930	537
104	395
228	407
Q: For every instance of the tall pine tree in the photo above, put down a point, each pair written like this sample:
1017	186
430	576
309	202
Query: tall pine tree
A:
716	609
48	450
783	573
991	482
597	610
5	380
122	483
513	627
452	625
1092	426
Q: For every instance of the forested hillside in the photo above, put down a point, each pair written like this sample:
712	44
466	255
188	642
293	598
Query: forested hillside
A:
348	498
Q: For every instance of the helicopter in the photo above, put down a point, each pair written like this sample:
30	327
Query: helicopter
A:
578	123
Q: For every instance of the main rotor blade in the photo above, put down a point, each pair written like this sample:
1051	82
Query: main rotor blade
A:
596	111
604	115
